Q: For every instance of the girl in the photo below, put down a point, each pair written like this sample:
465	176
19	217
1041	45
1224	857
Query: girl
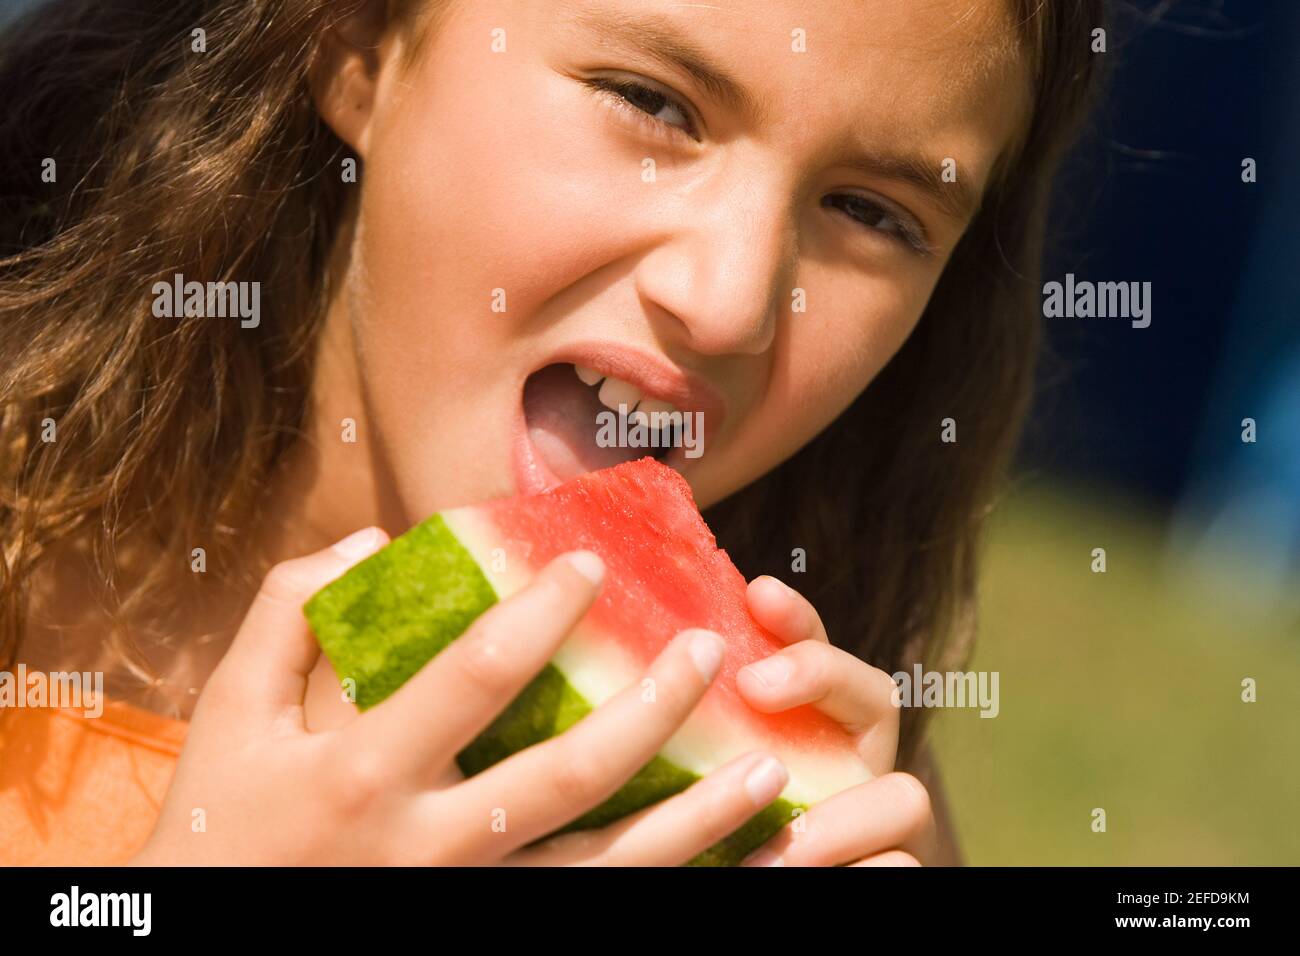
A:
816	223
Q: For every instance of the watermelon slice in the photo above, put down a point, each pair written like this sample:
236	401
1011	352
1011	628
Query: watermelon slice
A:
388	615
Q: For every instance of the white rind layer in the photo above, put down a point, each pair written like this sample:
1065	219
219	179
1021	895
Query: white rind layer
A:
598	667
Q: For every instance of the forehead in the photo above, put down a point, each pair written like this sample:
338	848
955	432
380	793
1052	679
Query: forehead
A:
926	75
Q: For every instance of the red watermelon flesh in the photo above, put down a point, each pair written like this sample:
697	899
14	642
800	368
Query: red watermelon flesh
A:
665	573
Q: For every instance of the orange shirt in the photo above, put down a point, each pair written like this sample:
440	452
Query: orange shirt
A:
82	791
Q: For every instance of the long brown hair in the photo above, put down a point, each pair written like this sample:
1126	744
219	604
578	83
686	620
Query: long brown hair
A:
218	166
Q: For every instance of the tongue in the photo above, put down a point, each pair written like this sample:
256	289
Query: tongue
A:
561	415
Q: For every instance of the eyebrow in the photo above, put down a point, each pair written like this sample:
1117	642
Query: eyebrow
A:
662	40
955	199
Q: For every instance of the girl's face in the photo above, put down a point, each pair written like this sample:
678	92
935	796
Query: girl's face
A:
738	208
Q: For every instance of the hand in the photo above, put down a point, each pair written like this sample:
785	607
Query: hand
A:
886	821
384	787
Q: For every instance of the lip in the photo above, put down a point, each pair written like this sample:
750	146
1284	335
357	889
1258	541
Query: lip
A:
532	477
654	376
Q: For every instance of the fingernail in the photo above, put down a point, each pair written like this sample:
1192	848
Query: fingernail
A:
706	652
766	781
781	586
765	858
358	543
772	672
589	565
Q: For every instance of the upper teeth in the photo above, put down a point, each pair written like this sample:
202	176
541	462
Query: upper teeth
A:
615	392
589	376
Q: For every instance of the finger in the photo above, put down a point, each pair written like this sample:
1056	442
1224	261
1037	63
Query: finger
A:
784	611
538	790
264	673
889	858
848	690
890	812
678	829
449	701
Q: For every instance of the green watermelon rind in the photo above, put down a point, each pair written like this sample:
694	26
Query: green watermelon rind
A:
380	622
548	706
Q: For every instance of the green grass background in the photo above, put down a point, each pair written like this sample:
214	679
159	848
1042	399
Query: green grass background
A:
1123	691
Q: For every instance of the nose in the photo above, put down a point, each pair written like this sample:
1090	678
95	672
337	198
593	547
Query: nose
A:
725	271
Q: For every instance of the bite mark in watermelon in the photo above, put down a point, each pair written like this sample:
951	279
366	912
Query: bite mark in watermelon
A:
381	621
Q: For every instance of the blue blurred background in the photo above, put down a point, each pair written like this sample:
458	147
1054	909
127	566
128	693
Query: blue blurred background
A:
1155	193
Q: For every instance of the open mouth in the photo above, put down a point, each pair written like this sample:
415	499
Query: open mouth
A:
575	416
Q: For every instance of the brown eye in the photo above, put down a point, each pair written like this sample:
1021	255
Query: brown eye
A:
879	217
649	103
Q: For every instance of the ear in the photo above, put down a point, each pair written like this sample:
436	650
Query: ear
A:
344	77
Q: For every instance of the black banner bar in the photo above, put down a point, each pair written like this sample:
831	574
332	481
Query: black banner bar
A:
503	906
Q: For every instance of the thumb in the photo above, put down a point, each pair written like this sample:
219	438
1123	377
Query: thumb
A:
267	665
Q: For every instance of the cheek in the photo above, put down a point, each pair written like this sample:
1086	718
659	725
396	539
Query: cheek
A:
493	185
821	361
832	362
